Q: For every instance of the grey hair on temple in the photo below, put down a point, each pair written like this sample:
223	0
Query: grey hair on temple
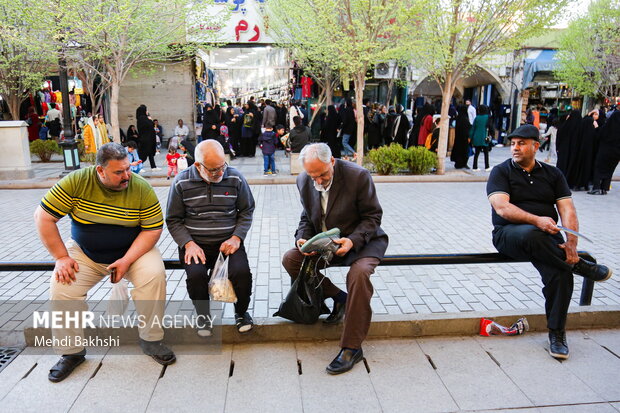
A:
111	151
313	151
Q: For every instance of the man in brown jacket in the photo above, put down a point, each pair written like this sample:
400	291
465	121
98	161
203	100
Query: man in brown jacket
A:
340	194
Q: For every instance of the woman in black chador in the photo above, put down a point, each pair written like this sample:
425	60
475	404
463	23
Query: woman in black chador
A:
460	149
608	155
568	146
587	152
147	143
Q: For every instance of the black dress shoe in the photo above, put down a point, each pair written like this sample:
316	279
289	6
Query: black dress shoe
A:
65	367
557	344
337	313
597	192
595	272
158	351
345	360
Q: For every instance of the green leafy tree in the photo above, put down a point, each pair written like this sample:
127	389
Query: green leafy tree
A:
589	54
453	37
114	37
348	36
25	56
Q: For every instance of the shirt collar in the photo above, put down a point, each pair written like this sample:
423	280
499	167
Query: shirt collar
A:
537	165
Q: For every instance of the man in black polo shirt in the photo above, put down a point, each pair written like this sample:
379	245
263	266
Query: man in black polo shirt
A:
524	194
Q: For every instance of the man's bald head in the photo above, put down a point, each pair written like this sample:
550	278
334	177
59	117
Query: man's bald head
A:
210	153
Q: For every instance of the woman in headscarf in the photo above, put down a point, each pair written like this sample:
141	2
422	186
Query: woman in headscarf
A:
247	132
568	146
103	130
330	131
188	148
210	123
460	149
425	124
608	155
132	134
375	126
233	123
90	132
589	138
147	142
480	130
390	118
401	127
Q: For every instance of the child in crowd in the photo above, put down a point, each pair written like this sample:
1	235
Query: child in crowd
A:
171	158
134	159
268	143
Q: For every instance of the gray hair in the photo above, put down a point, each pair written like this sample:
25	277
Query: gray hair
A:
110	151
320	151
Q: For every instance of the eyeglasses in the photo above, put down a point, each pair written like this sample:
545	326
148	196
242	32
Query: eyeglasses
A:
214	171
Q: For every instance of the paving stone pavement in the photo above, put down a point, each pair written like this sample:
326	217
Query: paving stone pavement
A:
418	217
430	374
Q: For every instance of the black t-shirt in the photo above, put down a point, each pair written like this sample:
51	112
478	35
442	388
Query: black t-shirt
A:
536	192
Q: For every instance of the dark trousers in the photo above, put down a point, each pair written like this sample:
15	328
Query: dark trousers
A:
151	159
358	312
479	149
527	242
198	279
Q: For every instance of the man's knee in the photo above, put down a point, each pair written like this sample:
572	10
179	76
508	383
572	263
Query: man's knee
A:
291	261
360	272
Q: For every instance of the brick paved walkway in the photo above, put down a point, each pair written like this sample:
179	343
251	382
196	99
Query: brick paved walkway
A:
419	218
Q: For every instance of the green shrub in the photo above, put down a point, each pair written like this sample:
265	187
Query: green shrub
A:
44	149
420	160
389	159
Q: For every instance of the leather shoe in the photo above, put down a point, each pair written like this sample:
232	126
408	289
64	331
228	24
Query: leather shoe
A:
158	351
595	272
64	367
337	313
345	360
558	348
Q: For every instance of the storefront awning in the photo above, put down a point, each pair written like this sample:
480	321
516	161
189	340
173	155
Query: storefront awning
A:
544	62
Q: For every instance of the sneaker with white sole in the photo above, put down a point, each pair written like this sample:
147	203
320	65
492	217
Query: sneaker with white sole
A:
476	169
489	168
205	331
244	322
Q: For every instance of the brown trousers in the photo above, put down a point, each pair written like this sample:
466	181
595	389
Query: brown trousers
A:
359	288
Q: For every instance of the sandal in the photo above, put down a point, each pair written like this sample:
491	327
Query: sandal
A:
64	367
158	351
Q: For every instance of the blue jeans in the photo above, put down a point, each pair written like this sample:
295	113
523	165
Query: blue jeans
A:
269	163
348	149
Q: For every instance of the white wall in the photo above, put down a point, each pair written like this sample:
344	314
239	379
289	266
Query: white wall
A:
168	94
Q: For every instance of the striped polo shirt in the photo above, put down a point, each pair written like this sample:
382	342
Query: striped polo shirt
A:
104	223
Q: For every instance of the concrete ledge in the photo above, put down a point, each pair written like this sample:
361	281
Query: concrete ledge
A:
383	326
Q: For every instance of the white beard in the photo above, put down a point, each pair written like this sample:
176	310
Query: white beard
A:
210	180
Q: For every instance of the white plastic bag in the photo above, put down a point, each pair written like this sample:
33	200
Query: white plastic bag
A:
119	298
220	287
181	164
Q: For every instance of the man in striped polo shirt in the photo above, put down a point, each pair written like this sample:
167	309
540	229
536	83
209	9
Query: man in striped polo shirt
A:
116	221
210	208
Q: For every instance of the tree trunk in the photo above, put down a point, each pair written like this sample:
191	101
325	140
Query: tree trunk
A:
14	102
360	82
319	104
328	89
116	133
446	95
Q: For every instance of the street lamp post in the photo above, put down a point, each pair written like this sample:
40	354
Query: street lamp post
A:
69	146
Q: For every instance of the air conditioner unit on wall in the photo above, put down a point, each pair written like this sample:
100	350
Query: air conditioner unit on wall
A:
386	70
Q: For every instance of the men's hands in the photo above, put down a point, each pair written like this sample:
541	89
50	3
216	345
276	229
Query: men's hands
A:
121	265
231	245
547	224
194	252
299	244
570	248
65	269
345	246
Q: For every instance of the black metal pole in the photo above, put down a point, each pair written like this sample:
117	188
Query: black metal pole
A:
66	108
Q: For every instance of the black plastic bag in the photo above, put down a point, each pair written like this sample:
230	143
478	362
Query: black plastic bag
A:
304	302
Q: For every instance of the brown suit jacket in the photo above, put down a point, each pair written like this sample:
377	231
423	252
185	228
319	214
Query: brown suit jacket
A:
352	207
